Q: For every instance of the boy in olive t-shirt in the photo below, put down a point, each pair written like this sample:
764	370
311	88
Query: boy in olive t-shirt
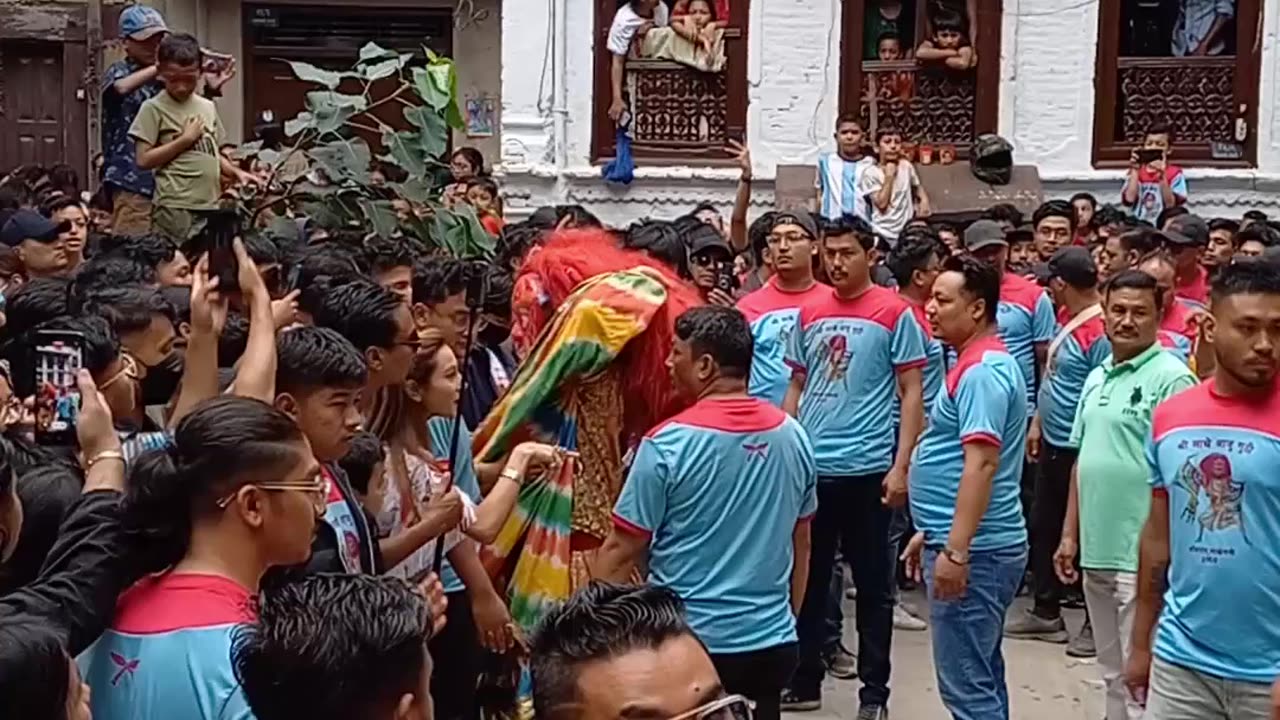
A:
177	134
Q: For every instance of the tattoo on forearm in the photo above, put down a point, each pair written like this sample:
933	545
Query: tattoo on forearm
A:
1158	580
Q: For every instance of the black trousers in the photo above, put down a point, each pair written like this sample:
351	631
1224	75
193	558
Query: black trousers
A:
1052	486
849	508
456	655
759	675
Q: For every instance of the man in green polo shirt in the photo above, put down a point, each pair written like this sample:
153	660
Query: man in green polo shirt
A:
1110	491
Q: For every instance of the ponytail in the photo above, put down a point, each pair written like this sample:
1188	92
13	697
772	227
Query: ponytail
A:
215	450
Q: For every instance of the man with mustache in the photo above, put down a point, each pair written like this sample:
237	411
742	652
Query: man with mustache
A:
1108	496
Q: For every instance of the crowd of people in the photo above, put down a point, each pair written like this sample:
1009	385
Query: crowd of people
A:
619	471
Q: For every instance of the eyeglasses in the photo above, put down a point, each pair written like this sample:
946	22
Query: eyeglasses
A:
128	368
729	707
317	486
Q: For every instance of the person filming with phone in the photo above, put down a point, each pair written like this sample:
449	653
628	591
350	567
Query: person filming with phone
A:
1153	184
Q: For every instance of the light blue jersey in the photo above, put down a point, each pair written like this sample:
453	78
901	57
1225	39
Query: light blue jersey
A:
1026	320
718	491
167	653
1214	460
838	179
983	402
464	478
851	351
773	314
1075	357
935	367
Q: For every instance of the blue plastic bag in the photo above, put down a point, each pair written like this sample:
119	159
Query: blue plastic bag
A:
622	168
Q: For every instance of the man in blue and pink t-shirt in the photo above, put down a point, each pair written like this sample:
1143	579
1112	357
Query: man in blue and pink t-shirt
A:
852	352
1206	643
719	501
774	309
965	479
1079	346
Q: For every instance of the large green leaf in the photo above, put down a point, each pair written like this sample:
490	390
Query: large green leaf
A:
344	159
383	68
433	138
330	110
380	215
404	150
307	72
460	232
373	52
415	190
431	87
300	122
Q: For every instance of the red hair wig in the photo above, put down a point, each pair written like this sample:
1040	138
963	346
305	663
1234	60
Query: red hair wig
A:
568	257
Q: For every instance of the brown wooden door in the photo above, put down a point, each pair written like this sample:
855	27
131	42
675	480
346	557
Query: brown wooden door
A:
33	119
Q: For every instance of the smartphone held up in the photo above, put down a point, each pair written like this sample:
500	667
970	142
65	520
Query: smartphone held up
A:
59	355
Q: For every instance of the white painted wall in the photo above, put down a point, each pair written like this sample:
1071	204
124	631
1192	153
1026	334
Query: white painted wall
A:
1046	110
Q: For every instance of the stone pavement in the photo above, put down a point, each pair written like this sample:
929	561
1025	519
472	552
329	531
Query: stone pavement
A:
1044	684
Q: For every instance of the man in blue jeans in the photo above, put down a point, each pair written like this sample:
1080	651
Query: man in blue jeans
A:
850	354
964	484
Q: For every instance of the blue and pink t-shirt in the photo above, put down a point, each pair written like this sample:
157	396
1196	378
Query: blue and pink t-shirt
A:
773	313
851	351
718	490
1215	460
1150	202
1026	320
984	401
1194	296
167	653
935	367
1075	357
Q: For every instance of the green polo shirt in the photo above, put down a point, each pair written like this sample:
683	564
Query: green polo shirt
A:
1112	428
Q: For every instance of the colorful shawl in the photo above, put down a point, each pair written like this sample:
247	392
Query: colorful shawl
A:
584	337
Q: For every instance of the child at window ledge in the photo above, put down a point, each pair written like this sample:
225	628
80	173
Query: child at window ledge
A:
630	23
949	45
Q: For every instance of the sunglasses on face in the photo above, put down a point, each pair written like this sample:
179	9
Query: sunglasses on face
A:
729	707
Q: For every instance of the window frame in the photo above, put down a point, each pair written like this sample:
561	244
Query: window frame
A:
603	130
1108	153
986	113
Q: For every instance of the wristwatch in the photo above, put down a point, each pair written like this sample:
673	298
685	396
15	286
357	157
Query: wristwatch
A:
959	557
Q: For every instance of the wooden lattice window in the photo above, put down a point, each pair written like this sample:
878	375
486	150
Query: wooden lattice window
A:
929	101
677	112
1190	65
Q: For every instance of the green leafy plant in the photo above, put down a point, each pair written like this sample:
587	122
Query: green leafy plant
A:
324	170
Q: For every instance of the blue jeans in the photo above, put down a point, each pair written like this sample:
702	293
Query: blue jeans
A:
967	633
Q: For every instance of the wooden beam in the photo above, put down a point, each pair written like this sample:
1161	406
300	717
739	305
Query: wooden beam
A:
92	84
58	22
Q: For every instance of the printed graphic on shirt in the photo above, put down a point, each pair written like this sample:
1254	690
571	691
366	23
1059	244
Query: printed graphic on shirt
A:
1214	496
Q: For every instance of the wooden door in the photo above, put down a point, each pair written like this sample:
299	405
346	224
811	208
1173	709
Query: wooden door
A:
33	120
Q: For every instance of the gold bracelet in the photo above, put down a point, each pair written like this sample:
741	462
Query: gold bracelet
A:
104	455
513	475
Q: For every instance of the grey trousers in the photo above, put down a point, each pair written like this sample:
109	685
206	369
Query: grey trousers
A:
1179	693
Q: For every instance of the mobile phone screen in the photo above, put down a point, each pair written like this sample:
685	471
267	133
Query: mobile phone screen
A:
58	356
220	233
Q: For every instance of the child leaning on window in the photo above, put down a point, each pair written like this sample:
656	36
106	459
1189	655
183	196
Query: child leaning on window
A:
177	134
949	45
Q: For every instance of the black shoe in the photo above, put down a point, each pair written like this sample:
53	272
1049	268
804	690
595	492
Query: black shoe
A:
873	712
793	702
841	664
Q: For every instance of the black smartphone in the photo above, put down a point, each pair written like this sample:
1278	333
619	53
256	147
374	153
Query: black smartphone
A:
726	279
59	355
220	234
1149	155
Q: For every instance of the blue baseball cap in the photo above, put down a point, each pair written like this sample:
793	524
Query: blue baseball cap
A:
139	22
26	225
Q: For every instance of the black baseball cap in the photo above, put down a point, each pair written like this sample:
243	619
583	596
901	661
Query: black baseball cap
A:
1187	231
982	234
802	220
703	238
26	225
1074	264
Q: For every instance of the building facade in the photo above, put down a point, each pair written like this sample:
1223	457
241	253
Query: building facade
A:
1071	84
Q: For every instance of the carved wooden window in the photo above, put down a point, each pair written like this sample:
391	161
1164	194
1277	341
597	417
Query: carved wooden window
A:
1190	65
684	101
931	101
